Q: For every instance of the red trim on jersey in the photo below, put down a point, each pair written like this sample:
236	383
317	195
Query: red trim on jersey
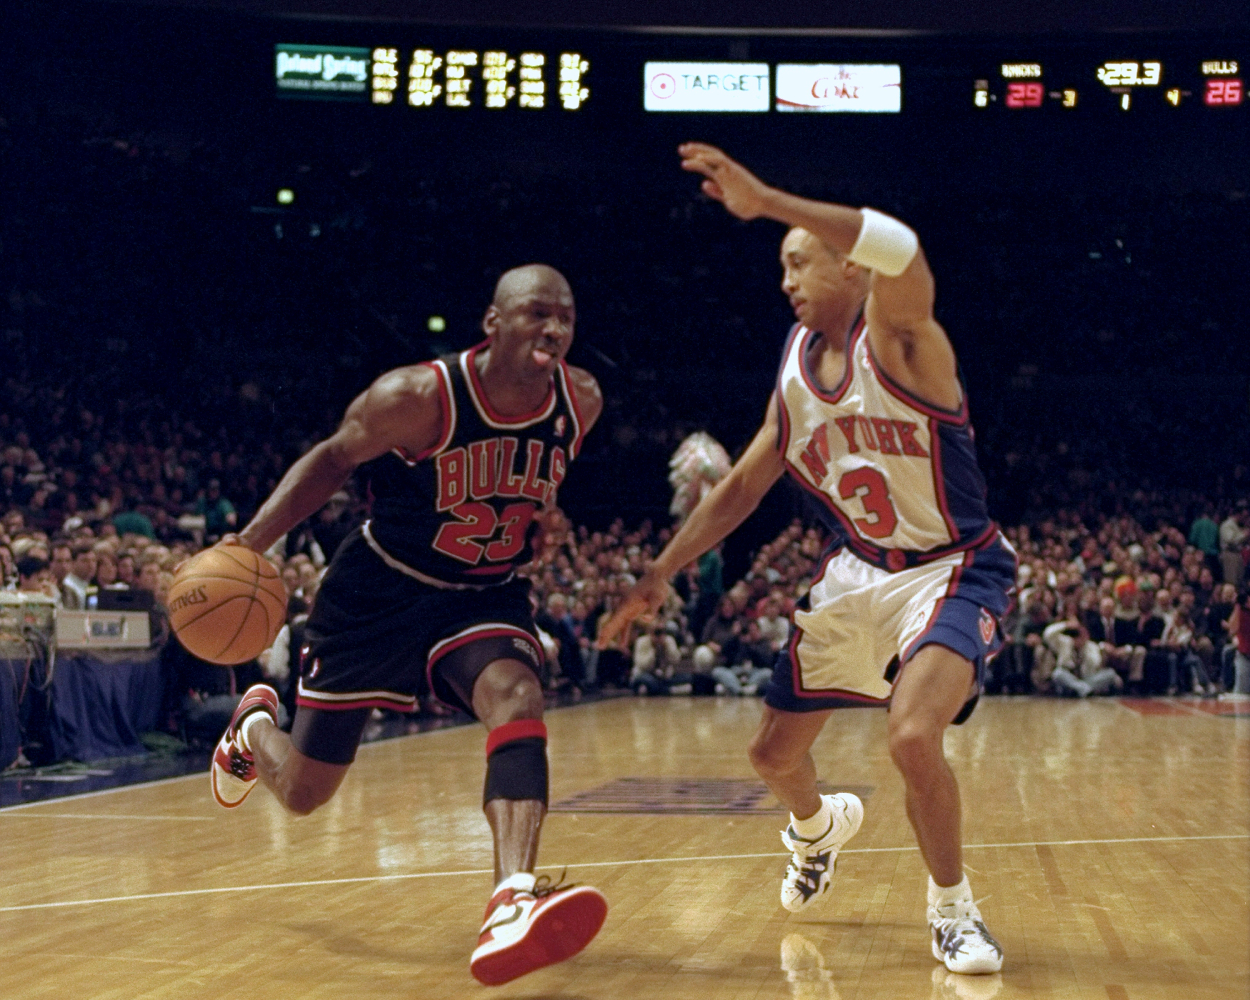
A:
959	416
783	412
447	410
398	703
486	630
478	395
518	729
810	380
939	479
580	427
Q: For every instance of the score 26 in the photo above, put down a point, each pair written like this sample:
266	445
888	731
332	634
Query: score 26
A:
1222	92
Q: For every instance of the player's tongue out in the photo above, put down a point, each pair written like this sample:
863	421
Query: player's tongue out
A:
542	355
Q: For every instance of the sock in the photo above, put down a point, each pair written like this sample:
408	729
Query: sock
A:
250	720
814	827
518	881
940	896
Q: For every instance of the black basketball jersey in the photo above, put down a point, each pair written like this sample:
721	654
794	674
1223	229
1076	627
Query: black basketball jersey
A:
460	513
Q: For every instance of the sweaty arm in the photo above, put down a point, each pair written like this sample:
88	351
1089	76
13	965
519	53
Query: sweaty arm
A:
906	339
400	409
717	515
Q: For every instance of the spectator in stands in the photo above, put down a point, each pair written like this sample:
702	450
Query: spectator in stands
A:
126	572
614	660
773	626
750	673
8	566
557	623
149	576
1148	637
79	586
656	662
106	570
1114	635
1185	666
34	577
719	646
1233	531
218	512
1204	535
134	522
61	562
1238	628
1078	664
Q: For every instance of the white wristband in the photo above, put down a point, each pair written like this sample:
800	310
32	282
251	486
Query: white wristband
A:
884	244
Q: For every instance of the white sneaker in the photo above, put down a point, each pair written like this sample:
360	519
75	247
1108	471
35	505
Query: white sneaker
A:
531	923
961	940
809	875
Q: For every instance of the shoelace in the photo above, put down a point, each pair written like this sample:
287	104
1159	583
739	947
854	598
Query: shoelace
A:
543	886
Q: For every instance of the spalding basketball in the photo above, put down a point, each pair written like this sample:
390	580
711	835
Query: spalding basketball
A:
227	604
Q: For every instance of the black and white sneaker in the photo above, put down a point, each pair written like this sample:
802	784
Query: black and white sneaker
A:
961	940
809	875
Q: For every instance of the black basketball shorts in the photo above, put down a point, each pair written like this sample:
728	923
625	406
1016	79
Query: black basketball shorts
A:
377	638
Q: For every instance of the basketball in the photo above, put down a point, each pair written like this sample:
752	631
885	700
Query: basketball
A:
227	604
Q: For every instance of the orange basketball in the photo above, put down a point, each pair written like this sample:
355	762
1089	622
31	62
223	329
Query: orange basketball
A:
227	604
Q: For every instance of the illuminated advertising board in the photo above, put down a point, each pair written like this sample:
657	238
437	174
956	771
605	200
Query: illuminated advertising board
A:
839	87
705	86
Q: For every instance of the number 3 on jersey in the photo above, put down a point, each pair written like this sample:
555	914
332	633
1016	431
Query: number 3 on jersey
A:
874	493
469	538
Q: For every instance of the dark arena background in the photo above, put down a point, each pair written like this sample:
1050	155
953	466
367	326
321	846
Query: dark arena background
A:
219	223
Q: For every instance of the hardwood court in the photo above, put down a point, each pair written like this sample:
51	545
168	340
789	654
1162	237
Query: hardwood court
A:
1110	849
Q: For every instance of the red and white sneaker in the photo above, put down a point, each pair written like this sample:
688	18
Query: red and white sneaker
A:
531	923
232	772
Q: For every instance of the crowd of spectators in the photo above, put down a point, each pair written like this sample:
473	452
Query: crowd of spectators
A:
1114	606
1144	601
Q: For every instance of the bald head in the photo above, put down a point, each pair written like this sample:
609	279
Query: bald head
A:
529	279
530	321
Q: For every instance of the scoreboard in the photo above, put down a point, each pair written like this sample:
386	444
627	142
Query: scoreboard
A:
427	77
622	72
1120	84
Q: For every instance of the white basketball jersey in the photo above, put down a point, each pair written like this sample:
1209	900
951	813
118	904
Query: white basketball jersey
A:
894	474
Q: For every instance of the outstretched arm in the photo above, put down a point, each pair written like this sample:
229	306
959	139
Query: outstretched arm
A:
906	339
400	410
716	516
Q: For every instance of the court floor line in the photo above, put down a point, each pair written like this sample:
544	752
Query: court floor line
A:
588	864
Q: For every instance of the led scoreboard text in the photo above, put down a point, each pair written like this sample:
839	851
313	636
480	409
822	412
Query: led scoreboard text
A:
538	75
427	77
1125	81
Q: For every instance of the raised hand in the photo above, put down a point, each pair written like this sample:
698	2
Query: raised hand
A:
642	601
728	181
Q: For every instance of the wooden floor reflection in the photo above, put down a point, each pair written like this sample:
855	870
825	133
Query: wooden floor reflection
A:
1109	848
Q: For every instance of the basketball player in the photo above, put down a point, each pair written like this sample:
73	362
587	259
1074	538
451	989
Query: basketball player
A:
870	418
466	450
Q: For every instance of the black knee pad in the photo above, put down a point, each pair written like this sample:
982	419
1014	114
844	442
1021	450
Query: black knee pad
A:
516	761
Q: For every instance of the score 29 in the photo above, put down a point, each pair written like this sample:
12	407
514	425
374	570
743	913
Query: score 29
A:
1027	95
1221	92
